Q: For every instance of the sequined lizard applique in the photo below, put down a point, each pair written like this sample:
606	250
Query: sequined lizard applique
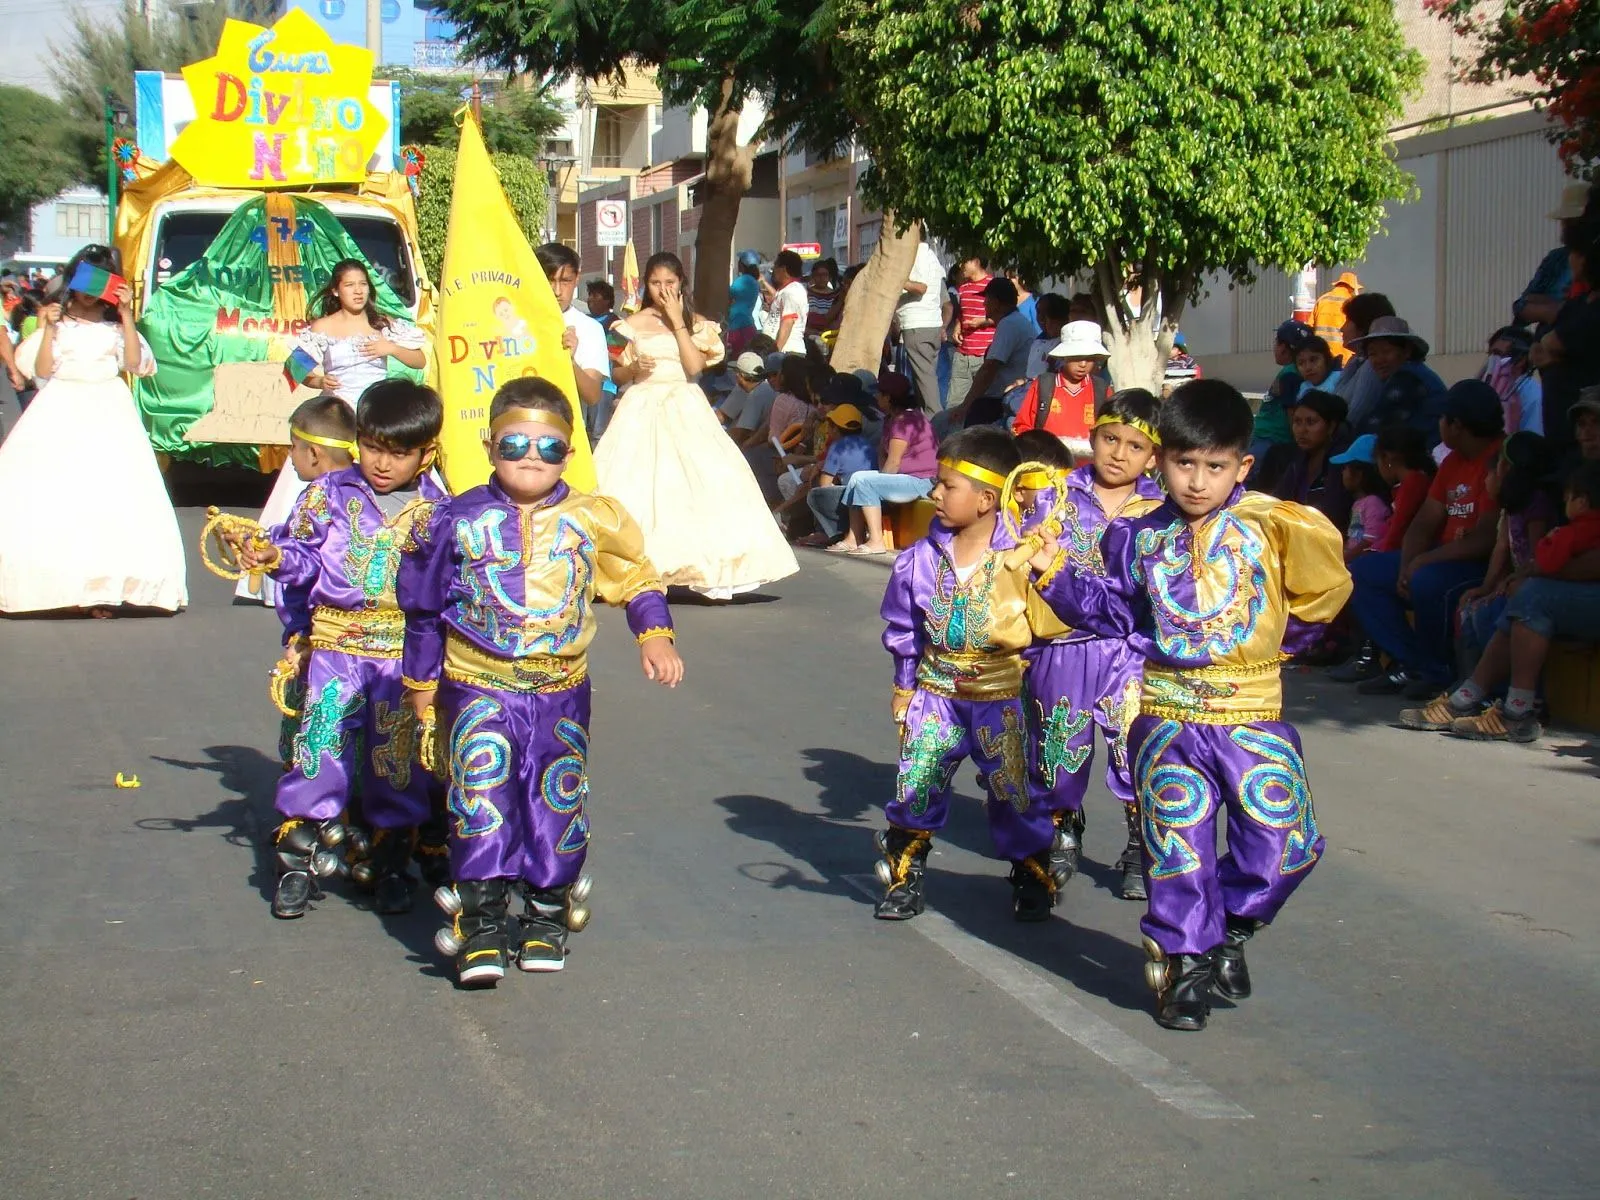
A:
371	563
1007	782
925	769
397	743
322	728
1057	753
1119	711
1188	691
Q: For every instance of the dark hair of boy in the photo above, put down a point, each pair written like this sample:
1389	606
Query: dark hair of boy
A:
1131	404
1584	482
1038	446
791	263
1053	305
1206	414
983	446
1316	345
400	414
553	256
1410	444
1527	456
1364	309
607	293
325	416
538	394
762	344
798	378
1331	408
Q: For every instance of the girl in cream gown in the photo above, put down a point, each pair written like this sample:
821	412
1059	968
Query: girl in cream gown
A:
85	521
667	459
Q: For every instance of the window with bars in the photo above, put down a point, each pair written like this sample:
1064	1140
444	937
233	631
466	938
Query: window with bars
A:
86	221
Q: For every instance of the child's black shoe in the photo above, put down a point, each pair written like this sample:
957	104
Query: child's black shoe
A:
1182	984
901	871
1033	890
1232	972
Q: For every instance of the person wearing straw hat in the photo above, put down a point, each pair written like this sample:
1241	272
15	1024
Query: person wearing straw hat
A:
1411	391
1541	300
1064	400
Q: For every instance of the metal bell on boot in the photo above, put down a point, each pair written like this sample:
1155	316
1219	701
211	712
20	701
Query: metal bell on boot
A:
448	900
580	890
331	833
447	942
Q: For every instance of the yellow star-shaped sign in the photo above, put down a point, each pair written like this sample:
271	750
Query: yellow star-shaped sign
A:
280	107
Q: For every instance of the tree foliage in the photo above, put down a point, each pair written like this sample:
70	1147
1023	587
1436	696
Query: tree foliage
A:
1150	141
515	120
524	185
1554	44
38	157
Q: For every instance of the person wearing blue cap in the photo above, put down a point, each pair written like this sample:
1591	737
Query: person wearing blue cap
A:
744	296
1369	495
1445	551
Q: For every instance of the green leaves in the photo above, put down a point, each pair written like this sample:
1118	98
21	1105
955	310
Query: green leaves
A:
525	187
38	151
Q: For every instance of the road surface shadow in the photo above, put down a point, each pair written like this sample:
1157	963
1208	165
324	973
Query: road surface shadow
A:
246	816
850	787
824	845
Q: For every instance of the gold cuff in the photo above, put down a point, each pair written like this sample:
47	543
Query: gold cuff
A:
656	631
416	685
1051	571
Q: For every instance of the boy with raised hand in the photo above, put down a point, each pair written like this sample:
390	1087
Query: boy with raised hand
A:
499	592
1215	589
341	550
958	616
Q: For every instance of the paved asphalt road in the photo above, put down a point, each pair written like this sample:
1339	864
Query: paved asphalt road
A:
734	1023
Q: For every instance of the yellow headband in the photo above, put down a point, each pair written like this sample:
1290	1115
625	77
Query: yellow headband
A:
331	443
1143	427
1034	481
973	471
516	416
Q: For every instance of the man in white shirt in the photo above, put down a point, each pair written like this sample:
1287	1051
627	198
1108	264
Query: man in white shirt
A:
1005	363
790	304
585	338
921	320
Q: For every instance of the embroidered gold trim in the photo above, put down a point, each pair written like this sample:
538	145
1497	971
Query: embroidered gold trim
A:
370	633
466	663
656	631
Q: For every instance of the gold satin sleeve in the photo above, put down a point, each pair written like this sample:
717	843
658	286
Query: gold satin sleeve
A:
621	569
1316	582
707	338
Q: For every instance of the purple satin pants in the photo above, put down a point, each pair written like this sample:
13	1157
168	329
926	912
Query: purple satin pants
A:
939	734
1072	688
355	726
518	783
1185	773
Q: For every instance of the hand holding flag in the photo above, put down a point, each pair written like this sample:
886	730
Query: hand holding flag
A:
299	366
90	280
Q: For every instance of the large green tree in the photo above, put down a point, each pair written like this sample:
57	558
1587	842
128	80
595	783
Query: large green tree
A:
1554	46
522	180
516	120
38	154
714	53
1147	143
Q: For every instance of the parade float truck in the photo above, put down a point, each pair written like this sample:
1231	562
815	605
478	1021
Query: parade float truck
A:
252	174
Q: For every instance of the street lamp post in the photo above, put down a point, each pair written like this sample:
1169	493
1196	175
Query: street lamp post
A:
113	115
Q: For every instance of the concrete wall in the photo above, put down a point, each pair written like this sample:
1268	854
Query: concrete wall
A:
1452	257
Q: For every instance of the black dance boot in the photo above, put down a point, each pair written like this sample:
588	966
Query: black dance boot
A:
1182	984
477	936
304	850
548	916
1233	973
901	870
433	852
1033	888
391	861
1067	847
1367	664
1131	864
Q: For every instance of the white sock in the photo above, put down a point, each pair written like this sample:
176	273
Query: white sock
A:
1468	695
1519	702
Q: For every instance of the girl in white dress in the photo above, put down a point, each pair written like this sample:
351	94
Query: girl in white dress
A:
352	343
666	457
69	541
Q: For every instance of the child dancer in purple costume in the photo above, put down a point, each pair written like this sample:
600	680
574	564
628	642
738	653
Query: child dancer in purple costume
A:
337	558
1078	681
1215	589
958	616
499	597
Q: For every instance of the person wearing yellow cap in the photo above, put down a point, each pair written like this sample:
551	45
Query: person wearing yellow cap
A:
849	451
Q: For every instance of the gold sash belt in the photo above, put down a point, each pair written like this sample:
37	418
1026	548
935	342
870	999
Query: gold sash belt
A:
465	663
370	633
1224	695
965	676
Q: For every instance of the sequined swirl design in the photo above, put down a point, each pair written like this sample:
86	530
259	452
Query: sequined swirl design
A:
1232	554
371	563
480	762
1174	798
565	785
1082	546
1274	793
516	628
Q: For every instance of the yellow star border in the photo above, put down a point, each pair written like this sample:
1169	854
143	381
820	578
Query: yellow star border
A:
280	107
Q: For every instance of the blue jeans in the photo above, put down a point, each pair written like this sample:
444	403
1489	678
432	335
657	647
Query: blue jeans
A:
874	489
1424	649
1478	623
827	506
1556	608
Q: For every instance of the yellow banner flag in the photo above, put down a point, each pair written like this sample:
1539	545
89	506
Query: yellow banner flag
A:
498	321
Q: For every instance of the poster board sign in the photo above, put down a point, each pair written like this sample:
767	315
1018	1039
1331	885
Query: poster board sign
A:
253	405
280	107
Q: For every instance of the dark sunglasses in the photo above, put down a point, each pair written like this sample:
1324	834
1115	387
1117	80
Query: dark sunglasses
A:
514	447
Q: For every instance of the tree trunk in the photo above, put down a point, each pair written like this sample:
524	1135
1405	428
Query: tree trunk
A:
873	297
729	169
1139	342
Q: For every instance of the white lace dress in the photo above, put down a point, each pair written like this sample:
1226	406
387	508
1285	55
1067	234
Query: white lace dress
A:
349	360
85	521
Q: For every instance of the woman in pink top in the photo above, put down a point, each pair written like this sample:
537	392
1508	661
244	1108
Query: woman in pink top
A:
910	459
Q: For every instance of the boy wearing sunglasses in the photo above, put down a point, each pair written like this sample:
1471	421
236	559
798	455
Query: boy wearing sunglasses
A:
498	594
336	559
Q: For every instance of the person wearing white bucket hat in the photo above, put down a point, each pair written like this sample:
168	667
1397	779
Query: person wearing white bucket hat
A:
1064	400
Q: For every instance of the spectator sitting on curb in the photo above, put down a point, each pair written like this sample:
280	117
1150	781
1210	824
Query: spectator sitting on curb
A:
1562	600
1312	478
909	464
849	453
745	410
1370	507
1317	367
1508	371
1445	552
1272	418
1358	385
1568	356
1409	391
1547	291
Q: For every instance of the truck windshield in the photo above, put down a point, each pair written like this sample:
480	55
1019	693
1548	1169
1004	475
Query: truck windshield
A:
186	235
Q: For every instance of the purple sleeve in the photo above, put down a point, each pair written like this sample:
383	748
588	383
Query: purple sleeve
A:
1103	605
294	610
299	540
902	634
646	612
422	589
